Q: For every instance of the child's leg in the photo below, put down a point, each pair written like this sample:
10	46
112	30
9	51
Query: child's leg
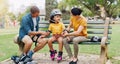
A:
59	57
52	51
50	41
60	41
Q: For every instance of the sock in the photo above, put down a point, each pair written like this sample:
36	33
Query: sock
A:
30	53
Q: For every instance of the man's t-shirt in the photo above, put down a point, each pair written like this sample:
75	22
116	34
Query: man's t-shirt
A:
35	23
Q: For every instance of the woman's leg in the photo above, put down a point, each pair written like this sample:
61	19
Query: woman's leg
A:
67	46
76	40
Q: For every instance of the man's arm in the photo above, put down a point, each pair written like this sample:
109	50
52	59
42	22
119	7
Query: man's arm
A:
37	32
26	26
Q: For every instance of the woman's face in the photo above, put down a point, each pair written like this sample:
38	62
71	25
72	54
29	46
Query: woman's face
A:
75	16
57	18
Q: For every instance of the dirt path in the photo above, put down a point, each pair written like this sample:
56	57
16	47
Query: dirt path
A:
41	58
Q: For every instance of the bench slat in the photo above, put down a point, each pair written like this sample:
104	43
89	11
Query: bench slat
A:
87	43
89	37
88	22
89	27
93	43
67	22
98	32
97	27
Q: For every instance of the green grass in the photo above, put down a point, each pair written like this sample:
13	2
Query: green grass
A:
8	48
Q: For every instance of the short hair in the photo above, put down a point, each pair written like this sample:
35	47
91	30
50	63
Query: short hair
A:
76	11
34	9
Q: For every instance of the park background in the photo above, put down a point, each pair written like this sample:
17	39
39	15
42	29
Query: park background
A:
11	12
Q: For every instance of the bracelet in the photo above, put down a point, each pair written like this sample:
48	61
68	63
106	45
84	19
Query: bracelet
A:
48	31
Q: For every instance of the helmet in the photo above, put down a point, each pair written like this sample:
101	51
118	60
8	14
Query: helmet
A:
55	12
96	39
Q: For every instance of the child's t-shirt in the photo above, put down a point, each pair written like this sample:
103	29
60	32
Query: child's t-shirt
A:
56	28
79	22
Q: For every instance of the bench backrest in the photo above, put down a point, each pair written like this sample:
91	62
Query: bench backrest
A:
94	28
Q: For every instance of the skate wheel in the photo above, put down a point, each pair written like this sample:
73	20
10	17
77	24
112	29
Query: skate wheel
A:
53	59
58	61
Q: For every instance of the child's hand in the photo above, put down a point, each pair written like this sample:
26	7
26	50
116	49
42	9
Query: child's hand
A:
47	33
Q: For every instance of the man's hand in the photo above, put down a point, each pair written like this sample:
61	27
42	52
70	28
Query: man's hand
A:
33	33
42	36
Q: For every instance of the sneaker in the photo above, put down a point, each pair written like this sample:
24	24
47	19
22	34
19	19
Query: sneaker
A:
16	59
25	59
52	54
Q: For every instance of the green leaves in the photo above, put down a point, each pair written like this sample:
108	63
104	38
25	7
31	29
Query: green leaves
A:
111	7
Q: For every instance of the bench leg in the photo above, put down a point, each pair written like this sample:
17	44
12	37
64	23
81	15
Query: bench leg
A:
104	54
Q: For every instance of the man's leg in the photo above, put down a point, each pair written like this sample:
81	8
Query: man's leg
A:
20	44
28	43
41	43
76	40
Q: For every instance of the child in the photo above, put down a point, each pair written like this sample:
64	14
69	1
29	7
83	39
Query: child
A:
56	28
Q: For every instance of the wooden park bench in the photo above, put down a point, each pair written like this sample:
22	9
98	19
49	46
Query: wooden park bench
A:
95	28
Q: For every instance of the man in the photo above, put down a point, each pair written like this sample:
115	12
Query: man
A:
29	33
79	24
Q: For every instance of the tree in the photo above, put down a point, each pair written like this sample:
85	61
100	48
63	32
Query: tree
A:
11	15
101	8
50	5
66	5
22	14
3	8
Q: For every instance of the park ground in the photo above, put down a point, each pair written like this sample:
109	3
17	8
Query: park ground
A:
8	48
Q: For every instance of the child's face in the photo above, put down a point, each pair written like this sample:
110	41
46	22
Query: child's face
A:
57	18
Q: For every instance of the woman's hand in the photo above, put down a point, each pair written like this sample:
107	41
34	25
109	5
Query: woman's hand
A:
68	38
65	34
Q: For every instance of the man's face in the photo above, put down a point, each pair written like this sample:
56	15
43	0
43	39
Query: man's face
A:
35	14
57	18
